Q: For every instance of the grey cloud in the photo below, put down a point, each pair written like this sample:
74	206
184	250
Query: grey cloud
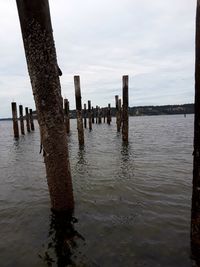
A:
151	41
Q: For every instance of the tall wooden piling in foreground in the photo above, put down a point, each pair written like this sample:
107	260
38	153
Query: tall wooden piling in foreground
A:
108	114
125	109
21	118
27	120
31	120
44	75
195	212
117	113
85	116
15	121
92	114
89	115
67	115
79	110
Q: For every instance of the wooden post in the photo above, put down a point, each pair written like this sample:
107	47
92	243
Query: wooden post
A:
117	113
15	121
85	116
92	114
97	114
79	110
108	114
44	75
27	120
195	212
125	109
120	113
89	115
104	114
31	120
21	116
67	116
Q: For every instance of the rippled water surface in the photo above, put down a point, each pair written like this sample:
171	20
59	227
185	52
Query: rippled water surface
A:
132	203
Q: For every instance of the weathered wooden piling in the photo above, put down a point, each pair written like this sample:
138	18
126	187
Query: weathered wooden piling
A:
79	110
120	112
21	118
31	120
108	114
67	115
15	119
89	115
44	75
195	211
117	113
85	116
104	114
92	114
97	114
125	109
27	120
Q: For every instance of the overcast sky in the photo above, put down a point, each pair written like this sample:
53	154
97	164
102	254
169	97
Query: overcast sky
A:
152	41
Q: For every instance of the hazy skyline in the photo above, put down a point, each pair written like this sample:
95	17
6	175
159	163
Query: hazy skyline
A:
151	41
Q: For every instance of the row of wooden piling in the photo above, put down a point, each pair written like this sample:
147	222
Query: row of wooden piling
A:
101	113
28	117
121	113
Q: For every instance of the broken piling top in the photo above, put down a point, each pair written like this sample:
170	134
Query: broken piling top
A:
125	109
15	119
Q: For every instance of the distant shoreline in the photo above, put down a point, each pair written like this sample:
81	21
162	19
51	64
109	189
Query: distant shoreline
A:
146	111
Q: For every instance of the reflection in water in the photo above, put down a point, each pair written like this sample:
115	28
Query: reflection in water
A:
62	241
81	147
81	155
126	162
125	151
